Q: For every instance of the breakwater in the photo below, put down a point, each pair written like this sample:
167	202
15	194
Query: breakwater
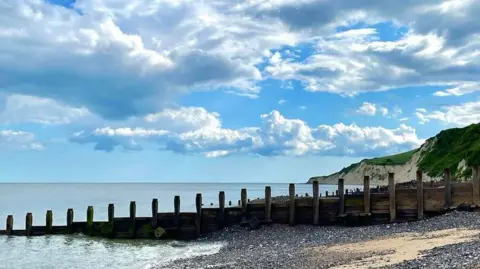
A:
376	205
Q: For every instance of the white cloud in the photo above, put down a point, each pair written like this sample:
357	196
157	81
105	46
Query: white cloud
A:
456	115
367	109
281	102
302	107
19	140
121	59
383	111
29	109
276	135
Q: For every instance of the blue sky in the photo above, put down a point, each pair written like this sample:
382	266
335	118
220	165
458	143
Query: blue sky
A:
257	91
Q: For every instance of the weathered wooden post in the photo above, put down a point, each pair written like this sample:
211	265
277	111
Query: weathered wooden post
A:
9	226
221	213
341	197
366	194
28	224
49	222
133	212
419	195
326	193
475	186
230	203
70	220
448	188
111	221
176	205
291	205
346	191
198	215
239	203
336	192
243	196
316	203
89	220
268	204
391	196
154	213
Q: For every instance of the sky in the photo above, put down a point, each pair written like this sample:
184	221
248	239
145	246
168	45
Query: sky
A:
227	91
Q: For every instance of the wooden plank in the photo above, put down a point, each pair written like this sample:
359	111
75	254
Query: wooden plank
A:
475	186
391	189
133	213
341	197
366	194
28	224
198	215
70	219
49	221
268	204
243	197
448	188
316	203
89	225
154	213
291	191
176	208
420	206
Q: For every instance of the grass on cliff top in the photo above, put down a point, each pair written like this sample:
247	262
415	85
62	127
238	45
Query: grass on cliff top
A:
452	146
397	159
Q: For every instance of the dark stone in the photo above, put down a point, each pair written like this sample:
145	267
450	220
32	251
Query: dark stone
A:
463	207
254	223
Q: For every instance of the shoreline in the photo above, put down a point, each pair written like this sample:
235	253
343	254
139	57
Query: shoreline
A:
448	241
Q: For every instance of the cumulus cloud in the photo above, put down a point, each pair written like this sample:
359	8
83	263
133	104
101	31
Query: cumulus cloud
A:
275	136
281	102
440	48
30	109
120	59
371	109
456	115
19	140
367	109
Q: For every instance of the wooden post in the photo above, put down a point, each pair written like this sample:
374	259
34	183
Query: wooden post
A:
419	195
111	213
70	220
9	226
448	188
391	196
341	197
316	203
154	213
268	204
230	203
239	203
49	222
176	204
243	196
326	193
90	220
198	216
221	212
291	206
475	186
28	224
133	212
366	194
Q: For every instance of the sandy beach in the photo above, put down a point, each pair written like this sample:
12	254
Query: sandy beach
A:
448	241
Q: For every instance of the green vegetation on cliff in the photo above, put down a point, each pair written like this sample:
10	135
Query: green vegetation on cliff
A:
397	159
447	149
450	148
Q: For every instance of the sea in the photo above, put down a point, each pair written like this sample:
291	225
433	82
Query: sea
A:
78	251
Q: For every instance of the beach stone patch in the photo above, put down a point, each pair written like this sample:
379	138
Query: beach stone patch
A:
282	246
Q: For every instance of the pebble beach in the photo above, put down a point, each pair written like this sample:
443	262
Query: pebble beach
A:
448	241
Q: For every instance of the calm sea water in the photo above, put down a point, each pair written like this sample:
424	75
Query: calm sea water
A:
71	251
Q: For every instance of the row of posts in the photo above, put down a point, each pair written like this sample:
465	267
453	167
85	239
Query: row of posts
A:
268	204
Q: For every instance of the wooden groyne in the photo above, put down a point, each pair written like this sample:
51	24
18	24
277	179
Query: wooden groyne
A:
394	203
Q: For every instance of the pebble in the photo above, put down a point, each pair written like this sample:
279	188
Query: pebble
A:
282	246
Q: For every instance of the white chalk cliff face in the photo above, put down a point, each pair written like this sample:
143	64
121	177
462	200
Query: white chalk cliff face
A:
379	173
